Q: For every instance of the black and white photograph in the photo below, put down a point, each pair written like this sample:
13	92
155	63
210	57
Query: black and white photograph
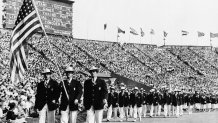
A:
108	61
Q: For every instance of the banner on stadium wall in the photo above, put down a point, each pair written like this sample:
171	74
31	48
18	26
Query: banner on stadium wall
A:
56	15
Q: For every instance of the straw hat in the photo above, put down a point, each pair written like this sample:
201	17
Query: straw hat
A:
47	71
93	68
69	69
152	90
136	88
112	88
122	88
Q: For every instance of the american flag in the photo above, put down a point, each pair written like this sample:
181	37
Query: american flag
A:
26	25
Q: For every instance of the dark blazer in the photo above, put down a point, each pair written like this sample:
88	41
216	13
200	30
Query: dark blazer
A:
113	100
74	91
181	97
175	100
136	99
160	98
94	94
131	98
156	99
150	98
190	100
123	99
203	100
209	99
144	98
167	99
139	99
213	100
45	95
197	98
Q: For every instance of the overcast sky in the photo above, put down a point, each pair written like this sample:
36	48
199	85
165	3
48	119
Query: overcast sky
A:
169	15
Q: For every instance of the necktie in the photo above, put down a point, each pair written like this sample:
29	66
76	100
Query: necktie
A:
46	83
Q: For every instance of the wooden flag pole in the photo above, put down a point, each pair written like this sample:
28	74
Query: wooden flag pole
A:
50	47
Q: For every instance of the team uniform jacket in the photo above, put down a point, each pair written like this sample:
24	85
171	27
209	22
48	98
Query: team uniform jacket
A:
136	99
167	99
176	100
94	94
113	99
74	91
123	99
45	95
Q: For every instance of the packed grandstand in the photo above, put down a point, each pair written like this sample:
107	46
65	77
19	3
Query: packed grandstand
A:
192	67
177	67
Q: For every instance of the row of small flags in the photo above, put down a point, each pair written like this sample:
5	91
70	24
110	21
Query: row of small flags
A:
184	33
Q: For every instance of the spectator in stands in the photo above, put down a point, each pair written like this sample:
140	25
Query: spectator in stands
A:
12	115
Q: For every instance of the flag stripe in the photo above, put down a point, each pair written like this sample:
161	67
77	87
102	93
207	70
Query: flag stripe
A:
27	24
20	62
24	20
27	27
25	36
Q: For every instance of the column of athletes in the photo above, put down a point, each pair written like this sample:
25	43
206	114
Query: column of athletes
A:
137	103
125	104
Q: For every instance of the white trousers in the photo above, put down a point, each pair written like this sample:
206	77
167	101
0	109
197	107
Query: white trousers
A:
131	111
123	112
181	110
126	111
137	110
197	106
109	112
155	110
68	115
166	111
158	110
190	109
151	110
144	110
94	116
176	111
50	115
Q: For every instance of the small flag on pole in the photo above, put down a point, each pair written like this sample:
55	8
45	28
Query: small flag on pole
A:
165	33
133	31
184	33
142	32
152	32
26	25
121	31
213	35
105	26
200	34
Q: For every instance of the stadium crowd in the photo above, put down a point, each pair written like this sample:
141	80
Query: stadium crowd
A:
146	64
